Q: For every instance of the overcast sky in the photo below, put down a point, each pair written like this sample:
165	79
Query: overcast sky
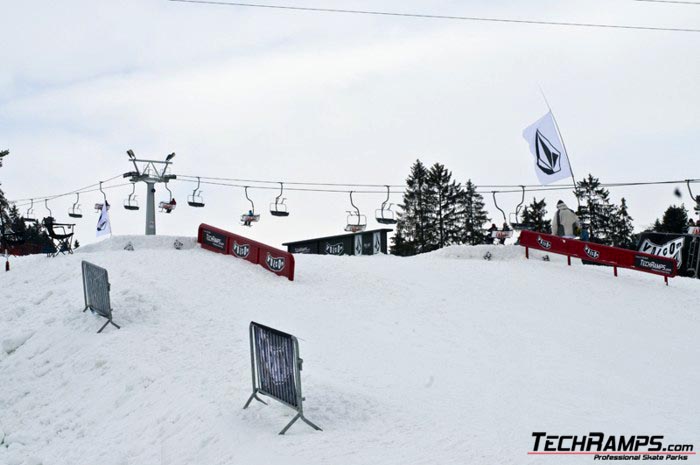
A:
302	96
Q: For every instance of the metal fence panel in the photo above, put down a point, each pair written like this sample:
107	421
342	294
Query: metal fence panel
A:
276	364
96	289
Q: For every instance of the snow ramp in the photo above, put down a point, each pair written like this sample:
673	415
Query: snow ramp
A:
444	358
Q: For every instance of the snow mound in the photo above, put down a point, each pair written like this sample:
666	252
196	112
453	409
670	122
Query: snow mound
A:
138	243
443	358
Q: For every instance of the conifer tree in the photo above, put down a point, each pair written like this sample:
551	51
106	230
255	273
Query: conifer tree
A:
471	205
675	220
413	226
622	231
444	212
595	209
536	215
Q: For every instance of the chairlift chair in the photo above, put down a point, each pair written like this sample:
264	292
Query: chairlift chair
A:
247	219
196	200
385	215
514	217
29	217
61	234
99	205
75	211
696	199
278	207
503	233
131	203
168	206
356	222
514	222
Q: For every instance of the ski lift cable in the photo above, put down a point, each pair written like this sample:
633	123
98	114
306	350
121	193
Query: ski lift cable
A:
290	183
443	17
308	187
82	190
515	187
27	202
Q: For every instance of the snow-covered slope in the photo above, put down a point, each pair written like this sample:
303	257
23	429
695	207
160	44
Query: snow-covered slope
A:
439	359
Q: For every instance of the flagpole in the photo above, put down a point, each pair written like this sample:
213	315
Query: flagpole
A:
568	159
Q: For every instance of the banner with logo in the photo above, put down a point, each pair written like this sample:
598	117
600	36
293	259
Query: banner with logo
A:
218	240
675	246
546	146
598	253
103	224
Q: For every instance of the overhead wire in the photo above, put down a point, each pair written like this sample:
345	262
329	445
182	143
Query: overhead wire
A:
338	188
437	16
682	2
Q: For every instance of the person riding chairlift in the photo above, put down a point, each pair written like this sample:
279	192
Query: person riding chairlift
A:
490	239
248	218
502	240
168	207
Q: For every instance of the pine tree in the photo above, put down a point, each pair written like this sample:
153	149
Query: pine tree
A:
413	226
536	214
622	230
675	220
471	205
595	209
443	207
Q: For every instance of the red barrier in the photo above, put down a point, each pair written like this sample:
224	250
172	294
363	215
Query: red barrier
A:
274	260
597	253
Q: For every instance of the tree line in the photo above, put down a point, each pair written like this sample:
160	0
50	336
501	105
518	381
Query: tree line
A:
437	211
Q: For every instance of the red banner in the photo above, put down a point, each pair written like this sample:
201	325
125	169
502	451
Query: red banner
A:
597	253
274	260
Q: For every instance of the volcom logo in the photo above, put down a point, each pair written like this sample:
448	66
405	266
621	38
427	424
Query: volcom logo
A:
590	252
335	249
544	244
548	157
241	250
672	249
275	264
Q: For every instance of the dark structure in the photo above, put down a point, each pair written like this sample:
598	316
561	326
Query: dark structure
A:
362	243
684	248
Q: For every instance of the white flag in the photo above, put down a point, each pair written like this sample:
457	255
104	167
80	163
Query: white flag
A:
551	160
103	224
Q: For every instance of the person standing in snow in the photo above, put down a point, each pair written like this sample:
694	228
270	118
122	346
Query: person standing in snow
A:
564	221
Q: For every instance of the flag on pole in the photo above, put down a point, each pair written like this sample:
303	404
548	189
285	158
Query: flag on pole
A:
103	224
551	160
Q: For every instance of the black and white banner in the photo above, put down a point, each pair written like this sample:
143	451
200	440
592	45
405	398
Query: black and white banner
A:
551	159
103	224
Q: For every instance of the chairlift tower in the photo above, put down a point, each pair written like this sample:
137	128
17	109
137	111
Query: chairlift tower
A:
151	172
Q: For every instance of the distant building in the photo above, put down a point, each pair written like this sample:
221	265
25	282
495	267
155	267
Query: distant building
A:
363	243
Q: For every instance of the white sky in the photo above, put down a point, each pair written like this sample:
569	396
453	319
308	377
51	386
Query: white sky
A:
263	94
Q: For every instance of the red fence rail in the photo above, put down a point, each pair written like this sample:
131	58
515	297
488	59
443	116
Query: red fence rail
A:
274	260
597	253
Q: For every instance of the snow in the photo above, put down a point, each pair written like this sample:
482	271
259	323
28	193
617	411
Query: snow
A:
443	358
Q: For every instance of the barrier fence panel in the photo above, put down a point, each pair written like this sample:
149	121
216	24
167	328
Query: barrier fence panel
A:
96	291
598	253
274	260
276	370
